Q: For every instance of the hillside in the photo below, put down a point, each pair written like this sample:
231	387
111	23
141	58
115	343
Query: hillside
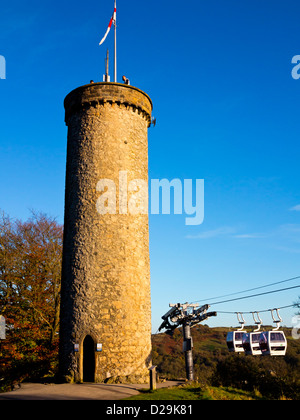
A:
272	377
195	392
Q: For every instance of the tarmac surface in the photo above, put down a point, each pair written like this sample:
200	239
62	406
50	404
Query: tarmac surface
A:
85	391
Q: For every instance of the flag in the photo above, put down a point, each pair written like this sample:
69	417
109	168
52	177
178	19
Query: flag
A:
112	21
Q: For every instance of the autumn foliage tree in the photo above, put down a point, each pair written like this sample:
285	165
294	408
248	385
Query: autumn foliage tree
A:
30	273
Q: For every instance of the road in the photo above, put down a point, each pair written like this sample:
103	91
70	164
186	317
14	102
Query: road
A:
85	391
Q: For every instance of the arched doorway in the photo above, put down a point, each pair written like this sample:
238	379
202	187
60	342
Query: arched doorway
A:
88	364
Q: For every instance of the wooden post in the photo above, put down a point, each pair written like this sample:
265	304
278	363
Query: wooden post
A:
152	371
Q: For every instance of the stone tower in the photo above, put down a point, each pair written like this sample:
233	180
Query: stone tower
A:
105	330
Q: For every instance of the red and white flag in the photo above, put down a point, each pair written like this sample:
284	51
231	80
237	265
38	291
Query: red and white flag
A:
112	21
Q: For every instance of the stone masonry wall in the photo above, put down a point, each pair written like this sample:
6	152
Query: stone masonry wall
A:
106	268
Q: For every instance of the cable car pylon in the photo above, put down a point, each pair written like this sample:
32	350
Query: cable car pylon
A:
187	316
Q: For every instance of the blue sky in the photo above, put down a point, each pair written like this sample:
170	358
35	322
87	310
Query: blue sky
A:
227	109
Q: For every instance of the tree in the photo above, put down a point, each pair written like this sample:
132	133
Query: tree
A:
30	278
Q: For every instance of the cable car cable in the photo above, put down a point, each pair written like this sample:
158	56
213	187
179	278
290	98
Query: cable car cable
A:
248	290
260	312
257	294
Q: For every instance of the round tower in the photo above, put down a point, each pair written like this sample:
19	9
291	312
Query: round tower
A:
105	327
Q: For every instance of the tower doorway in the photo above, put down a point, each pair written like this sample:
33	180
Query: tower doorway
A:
88	359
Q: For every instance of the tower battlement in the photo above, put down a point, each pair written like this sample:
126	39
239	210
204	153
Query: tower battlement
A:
95	94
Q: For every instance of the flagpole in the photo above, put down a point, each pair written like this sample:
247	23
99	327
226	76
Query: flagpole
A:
115	24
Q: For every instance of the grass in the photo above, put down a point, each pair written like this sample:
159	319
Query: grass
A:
195	392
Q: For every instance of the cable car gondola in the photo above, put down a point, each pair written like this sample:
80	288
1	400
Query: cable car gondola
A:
235	338
235	341
273	343
251	344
